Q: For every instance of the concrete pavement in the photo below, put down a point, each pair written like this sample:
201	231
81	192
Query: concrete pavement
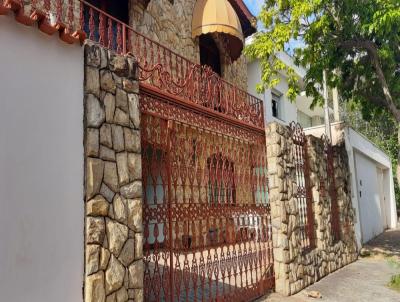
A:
362	281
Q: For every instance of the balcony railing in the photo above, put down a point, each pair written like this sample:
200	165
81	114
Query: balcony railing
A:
161	69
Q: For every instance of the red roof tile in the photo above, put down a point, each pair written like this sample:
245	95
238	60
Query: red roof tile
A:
36	16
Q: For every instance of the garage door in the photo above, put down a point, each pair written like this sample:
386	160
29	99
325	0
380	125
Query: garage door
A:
370	197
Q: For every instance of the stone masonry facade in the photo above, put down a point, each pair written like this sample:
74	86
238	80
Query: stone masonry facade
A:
295	268
170	23
113	186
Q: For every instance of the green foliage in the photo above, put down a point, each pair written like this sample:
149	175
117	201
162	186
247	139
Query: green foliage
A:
379	127
394	262
337	35
356	41
395	282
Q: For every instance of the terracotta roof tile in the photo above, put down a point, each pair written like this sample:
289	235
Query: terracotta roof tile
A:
38	17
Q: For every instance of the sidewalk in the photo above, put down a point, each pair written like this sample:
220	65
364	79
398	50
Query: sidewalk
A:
388	244
362	281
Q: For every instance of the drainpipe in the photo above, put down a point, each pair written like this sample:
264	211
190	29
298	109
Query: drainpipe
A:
326	108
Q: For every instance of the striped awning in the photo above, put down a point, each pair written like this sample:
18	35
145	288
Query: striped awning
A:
218	16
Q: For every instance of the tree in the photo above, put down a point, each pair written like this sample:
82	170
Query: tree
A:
356	41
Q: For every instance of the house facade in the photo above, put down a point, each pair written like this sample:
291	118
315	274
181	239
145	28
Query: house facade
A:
370	168
138	168
277	105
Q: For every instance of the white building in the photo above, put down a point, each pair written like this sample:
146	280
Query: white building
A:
372	185
277	105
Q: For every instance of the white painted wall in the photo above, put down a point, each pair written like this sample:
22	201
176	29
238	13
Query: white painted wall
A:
287	109
368	223
369	198
41	166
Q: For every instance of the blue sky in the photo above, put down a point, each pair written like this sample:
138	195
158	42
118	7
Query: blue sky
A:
254	6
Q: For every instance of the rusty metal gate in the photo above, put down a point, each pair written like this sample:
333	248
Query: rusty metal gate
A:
207	231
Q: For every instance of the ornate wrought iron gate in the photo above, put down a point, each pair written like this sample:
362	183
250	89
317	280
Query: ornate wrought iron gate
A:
206	215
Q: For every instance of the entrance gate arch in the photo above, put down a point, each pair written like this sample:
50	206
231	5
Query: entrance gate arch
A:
207	225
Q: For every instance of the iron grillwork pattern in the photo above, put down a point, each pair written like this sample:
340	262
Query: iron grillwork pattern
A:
207	222
303	191
331	185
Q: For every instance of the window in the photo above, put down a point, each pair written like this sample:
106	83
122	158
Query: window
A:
221	183
303	119
221	190
275	104
155	189
317	120
209	53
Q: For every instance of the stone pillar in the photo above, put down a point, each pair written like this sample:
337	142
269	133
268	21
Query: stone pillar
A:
283	212
113	186
320	190
346	211
295	268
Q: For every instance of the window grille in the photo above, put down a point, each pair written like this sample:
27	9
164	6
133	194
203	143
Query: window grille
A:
303	194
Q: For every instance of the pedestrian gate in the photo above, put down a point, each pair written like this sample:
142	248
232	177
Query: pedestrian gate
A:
207	231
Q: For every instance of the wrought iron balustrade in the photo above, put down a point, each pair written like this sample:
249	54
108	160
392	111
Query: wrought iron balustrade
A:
161	69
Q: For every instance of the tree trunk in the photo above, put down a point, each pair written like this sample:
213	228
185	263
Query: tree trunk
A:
372	50
391	106
398	155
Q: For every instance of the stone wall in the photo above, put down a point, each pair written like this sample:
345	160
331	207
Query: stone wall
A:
295	268
170	23
113	187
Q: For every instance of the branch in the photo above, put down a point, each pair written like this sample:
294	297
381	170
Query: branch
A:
378	101
372	51
353	80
